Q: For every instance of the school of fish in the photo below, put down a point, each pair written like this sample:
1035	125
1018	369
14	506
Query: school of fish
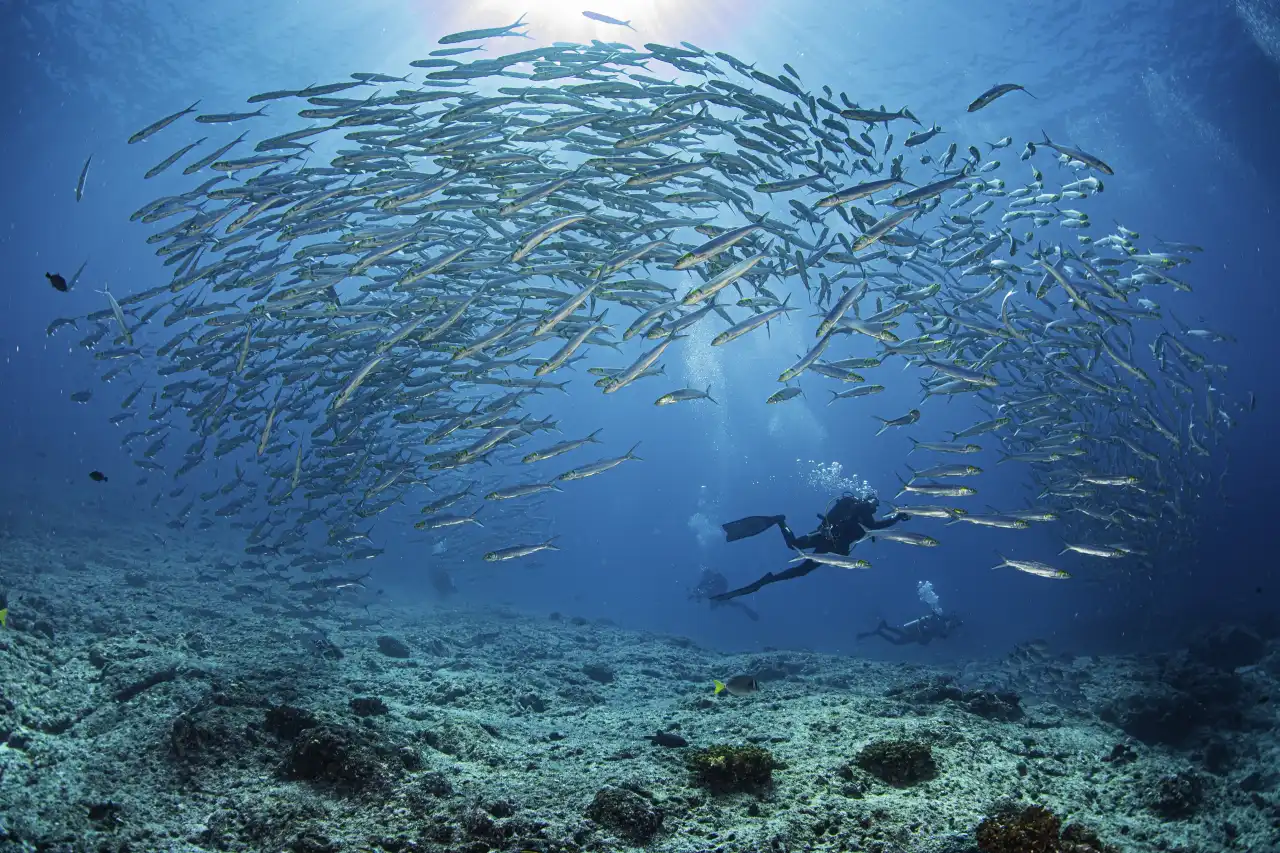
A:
353	337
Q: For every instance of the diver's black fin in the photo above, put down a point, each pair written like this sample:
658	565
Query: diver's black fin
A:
752	525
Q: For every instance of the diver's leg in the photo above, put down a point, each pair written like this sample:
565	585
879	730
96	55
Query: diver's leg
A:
883	631
867	634
797	571
810	541
794	572
745	590
752	525
895	635
787	535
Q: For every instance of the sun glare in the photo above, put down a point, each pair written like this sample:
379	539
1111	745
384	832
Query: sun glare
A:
562	20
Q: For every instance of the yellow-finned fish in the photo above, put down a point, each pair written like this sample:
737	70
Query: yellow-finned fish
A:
739	685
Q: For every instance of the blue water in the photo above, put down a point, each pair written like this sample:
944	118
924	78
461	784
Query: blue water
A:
1179	98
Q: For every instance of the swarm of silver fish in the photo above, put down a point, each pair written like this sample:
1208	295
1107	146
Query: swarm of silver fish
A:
345	334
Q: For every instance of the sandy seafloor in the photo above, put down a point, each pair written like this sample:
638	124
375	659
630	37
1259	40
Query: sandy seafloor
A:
148	704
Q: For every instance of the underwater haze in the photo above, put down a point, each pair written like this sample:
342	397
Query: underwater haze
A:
518	425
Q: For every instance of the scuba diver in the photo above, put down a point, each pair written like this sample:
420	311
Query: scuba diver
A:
848	521
922	631
712	584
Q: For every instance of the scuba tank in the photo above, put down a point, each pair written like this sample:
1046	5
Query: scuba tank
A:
845	504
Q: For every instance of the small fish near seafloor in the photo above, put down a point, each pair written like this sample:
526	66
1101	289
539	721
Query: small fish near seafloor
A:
670	740
738	685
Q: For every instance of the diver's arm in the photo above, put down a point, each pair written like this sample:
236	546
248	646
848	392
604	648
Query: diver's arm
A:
870	523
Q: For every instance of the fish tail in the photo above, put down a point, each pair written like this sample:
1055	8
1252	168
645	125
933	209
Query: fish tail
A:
631	454
719	686
709	397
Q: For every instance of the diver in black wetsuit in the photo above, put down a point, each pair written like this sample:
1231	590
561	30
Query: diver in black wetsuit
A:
922	631
848	521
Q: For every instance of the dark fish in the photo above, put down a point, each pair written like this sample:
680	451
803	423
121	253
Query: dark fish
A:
442	582
81	396
324	647
97	476
667	739
739	685
59	283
